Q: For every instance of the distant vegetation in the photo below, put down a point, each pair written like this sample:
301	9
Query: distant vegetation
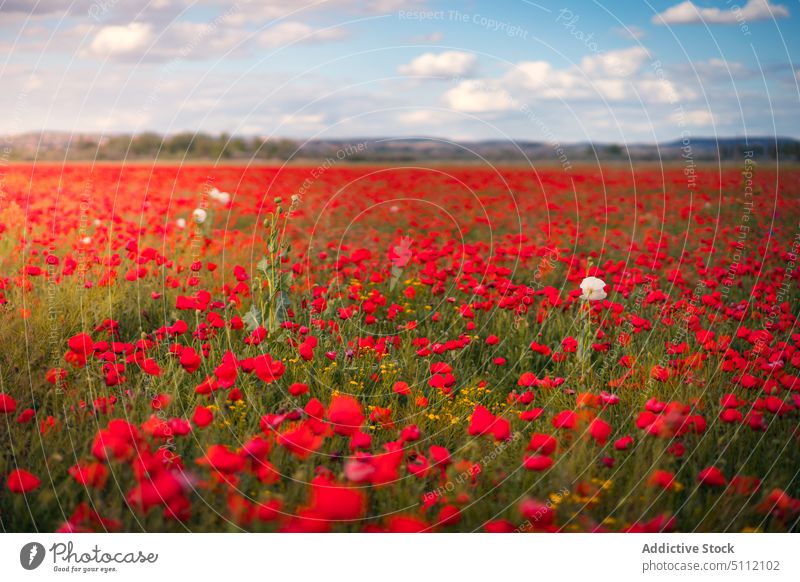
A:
51	146
152	145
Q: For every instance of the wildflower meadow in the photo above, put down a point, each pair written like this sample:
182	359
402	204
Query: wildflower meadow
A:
390	348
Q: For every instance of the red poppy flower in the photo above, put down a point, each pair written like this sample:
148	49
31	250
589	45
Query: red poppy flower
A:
81	344
600	431
90	474
711	477
540	349
21	481
55	375
300	441
337	502
26	416
538	463
499	526
401	388
531	415
344	413
190	360
440	456
543	444
449	516
269	511
565	419
484	422
202	416
227	371
624	443
7	404
406	524
662	479
538	514
221	459
164	488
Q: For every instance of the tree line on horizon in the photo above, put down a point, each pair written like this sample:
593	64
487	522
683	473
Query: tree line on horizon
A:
226	147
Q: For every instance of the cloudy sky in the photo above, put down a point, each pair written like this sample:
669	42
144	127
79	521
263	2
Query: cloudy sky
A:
569	71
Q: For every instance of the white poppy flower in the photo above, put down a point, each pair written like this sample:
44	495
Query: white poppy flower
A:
221	197
199	215
181	223
593	289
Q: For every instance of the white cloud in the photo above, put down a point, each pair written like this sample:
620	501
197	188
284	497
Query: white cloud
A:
122	40
193	40
696	118
182	40
688	12
445	64
419	117
289	32
631	99
428	117
479	97
256	12
542	81
616	76
620	63
225	102
91	11
716	69
187	40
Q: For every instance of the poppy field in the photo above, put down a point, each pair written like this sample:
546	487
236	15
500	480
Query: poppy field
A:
347	348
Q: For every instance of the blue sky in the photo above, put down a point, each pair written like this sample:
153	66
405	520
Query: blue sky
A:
614	71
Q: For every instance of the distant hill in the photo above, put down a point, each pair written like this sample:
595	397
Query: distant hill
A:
729	147
51	146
